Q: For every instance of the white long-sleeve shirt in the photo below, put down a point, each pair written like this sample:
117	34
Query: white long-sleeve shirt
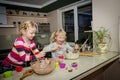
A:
56	53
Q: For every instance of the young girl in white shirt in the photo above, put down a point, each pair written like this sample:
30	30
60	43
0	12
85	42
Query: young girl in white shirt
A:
58	45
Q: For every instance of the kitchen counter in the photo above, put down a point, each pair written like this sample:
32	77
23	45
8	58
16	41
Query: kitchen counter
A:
86	66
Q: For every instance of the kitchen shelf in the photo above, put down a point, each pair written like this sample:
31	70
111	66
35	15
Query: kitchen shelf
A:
27	16
7	26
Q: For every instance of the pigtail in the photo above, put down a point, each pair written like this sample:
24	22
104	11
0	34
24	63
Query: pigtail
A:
22	27
52	38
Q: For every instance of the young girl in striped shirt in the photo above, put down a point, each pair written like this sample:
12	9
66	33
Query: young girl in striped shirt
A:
23	47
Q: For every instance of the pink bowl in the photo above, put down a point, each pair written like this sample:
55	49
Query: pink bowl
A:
74	64
62	65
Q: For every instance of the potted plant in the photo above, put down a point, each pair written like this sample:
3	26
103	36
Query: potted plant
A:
101	39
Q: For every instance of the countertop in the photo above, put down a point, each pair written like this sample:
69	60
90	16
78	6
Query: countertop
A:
86	66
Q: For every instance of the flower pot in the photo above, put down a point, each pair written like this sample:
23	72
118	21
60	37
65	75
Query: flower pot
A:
102	48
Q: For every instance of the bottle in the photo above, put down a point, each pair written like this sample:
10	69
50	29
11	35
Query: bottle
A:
56	64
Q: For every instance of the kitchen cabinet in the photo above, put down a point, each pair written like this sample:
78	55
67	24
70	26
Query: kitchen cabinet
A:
43	27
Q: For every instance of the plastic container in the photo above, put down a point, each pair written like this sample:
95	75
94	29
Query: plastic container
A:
18	68
74	64
61	58
62	65
56	64
7	74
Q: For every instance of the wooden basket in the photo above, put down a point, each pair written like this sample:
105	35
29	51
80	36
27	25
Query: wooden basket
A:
46	70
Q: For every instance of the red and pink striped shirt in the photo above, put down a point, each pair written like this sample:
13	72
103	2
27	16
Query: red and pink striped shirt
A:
20	52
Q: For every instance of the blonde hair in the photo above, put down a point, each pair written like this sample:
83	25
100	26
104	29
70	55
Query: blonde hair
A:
56	33
27	24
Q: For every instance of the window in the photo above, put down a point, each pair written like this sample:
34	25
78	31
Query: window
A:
76	20
84	23
68	22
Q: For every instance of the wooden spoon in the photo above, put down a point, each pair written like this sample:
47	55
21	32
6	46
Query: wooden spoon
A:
27	73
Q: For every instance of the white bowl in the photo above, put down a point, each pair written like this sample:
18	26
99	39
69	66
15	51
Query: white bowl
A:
72	55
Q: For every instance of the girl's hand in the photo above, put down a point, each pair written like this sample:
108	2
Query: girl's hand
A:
41	54
76	46
58	47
